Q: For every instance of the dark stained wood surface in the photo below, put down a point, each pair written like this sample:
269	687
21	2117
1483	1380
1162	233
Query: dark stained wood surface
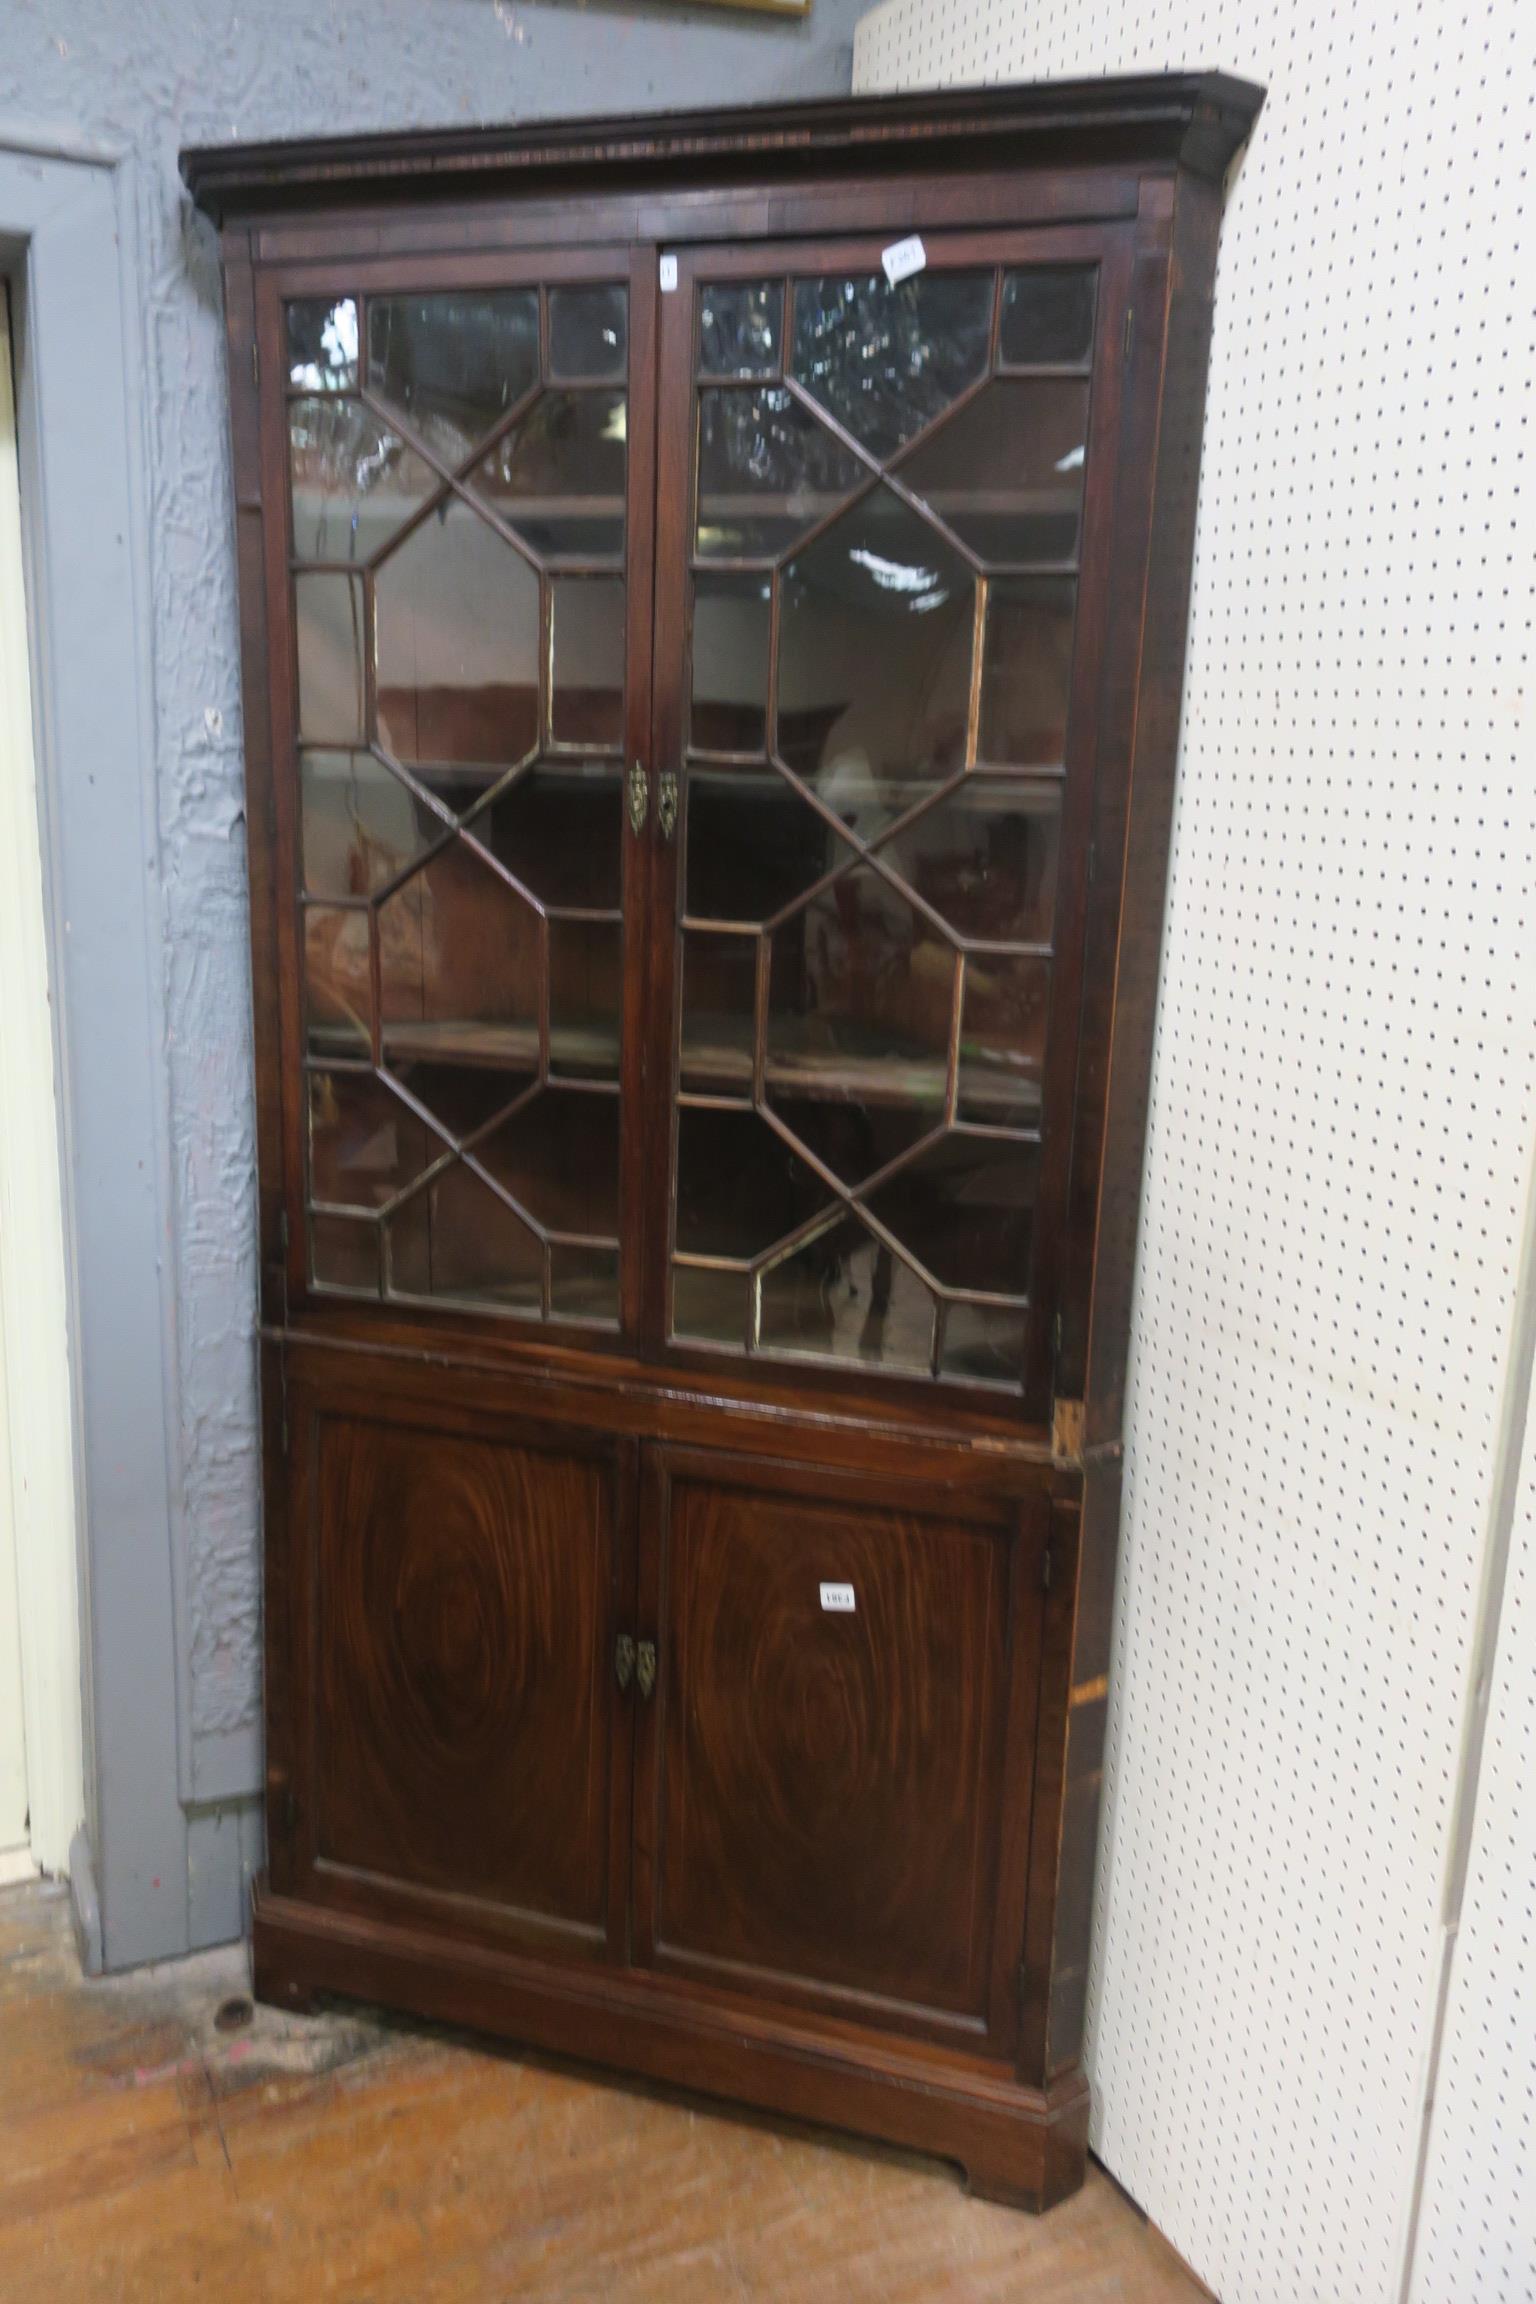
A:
823	1794
840	1868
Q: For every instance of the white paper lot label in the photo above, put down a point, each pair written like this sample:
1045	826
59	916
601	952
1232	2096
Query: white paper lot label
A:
837	1599
668	270
903	258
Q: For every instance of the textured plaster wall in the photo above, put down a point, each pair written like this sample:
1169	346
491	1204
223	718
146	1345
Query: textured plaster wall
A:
146	78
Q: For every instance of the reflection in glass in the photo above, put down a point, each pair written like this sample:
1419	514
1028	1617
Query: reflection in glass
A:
1002	1039
558	829
767	472
985	859
460	1098
364	1146
338	982
1006	473
344	1253
456	614
322	344
843	1295
586	998
460	964
965	1208
1047	317
710	1307
328	629
587	660
731	625
583	1283
1026	671
885	361
456	1238
558	1157
453	364
875	662
739	327
588	331
359	824
353	480
558	476
719	992
984	1343
740	1188
861	999
753	845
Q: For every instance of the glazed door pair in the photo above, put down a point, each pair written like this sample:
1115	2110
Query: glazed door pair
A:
763	1725
694	702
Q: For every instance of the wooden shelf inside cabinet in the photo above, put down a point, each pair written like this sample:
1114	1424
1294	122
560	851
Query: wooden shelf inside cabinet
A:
705	937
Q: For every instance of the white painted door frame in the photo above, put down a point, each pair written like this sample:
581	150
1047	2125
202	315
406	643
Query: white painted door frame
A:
36	1410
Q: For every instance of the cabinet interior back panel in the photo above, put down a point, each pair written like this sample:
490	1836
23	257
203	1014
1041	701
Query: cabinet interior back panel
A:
1340	1140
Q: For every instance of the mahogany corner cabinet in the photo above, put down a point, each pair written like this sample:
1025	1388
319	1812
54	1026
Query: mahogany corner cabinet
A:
714	594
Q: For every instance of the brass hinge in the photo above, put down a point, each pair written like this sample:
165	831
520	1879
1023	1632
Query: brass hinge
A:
255	364
645	1667
1130	327
623	1660
1067	1432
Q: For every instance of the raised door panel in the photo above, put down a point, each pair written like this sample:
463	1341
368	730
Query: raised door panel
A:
466	1757
832	1792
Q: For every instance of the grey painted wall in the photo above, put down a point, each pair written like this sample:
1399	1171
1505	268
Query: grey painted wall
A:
144	79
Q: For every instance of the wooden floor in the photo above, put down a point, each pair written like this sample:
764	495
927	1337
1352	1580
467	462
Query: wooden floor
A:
145	2153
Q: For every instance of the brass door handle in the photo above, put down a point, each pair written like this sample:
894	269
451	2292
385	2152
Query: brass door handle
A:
623	1660
645	1667
639	798
666	803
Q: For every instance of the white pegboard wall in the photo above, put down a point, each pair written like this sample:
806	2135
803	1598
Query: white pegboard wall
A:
1340	1140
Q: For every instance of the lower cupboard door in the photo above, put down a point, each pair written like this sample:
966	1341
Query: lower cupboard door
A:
833	1768
458	1601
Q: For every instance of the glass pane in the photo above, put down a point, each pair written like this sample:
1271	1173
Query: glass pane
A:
462	1098
1007	472
1026	672
767	472
360	825
584	1283
457	1239
364	1146
453	364
964	1209
731	628
586	998
461	960
322	344
856	1136
588	331
986	859
558	476
711	1307
753	844
558	1158
875	662
740	322
587	660
1002	1040
842	1295
328	627
1047	318
984	1344
344	1253
456	614
740	1189
338	983
861	1000
558	830
885	360
353	481
719	991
